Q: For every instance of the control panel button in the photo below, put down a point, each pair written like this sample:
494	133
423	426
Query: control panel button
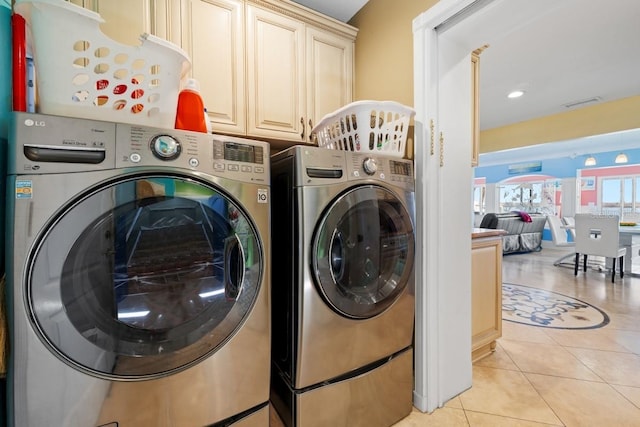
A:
370	166
193	162
165	147
135	157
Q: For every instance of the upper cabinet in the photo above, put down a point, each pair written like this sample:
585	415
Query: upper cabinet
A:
275	75
329	74
268	69
297	72
213	34
125	20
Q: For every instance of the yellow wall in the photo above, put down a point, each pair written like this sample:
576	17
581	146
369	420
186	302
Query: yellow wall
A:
384	49
384	71
623	114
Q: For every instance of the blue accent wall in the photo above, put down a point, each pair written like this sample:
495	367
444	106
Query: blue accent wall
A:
563	167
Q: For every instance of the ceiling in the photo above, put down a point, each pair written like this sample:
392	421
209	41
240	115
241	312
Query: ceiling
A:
342	10
558	52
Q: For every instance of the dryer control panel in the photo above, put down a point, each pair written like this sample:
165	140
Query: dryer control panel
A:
395	171
321	166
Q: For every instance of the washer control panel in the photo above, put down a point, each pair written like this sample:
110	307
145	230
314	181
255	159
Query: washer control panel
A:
370	165
146	146
165	147
42	144
53	144
224	156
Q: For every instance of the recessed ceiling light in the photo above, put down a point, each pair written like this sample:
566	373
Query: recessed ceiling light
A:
515	94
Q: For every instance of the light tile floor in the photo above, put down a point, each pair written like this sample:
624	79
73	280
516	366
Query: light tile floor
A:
553	377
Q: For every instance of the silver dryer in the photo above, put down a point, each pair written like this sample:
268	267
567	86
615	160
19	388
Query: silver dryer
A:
342	287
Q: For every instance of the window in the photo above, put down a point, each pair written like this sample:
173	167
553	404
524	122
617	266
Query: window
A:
620	195
530	196
479	192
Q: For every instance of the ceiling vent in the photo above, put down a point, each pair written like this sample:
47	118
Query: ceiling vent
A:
582	102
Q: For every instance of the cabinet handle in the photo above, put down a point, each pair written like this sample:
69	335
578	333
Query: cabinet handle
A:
432	126
312	135
441	149
303	128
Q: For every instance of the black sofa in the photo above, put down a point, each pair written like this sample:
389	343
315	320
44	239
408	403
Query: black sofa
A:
522	236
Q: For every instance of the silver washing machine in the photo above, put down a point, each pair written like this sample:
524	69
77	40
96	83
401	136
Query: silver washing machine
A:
342	287
138	276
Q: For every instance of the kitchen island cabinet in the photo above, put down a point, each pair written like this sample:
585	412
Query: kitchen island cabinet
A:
486	291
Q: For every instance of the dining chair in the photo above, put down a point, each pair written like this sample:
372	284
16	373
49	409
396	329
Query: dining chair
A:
559	237
599	235
570	224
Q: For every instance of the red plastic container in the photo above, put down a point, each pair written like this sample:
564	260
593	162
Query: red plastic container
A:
190	112
19	69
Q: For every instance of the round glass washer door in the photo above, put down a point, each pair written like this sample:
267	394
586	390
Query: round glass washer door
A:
144	276
363	252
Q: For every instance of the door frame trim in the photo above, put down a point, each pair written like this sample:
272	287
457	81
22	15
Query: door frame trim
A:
430	318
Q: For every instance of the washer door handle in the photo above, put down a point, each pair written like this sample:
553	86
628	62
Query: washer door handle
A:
233	268
336	257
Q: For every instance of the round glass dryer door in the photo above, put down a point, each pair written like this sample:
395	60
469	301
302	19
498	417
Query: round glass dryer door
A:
144	276
363	252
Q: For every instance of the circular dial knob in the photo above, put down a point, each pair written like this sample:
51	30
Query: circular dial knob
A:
165	147
370	166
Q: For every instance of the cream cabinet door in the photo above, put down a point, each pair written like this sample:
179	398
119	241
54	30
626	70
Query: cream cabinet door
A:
213	36
329	74
124	20
275	76
486	295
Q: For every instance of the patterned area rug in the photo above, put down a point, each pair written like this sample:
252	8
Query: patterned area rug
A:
538	307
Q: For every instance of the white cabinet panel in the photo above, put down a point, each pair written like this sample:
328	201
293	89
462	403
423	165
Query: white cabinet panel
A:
213	36
267	69
329	76
124	20
275	75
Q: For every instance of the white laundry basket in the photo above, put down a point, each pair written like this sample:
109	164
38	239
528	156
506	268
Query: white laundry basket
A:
366	126
80	72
